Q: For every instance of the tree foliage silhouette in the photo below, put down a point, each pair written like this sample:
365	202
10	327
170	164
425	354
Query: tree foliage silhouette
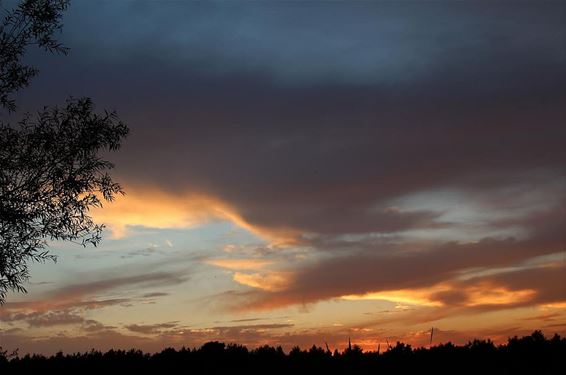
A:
51	171
31	22
532	354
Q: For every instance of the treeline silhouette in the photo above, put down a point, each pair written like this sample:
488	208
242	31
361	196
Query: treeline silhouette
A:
532	354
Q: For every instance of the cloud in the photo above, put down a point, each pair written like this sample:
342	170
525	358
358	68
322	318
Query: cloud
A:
269	281
155	209
46	318
92	326
78	290
155	294
328	157
240	264
412	297
151	329
68	306
545	284
378	43
64	304
329	178
412	266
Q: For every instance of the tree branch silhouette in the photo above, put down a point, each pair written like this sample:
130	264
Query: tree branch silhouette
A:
51	171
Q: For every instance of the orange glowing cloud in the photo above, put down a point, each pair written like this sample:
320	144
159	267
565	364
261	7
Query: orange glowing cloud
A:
494	295
477	295
270	282
240	264
410	297
154	208
556	305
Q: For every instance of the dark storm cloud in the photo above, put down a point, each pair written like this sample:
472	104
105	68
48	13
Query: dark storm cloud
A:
353	43
418	97
289	161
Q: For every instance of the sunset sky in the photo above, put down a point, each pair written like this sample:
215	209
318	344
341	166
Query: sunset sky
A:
303	172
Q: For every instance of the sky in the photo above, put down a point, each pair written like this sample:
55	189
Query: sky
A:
300	173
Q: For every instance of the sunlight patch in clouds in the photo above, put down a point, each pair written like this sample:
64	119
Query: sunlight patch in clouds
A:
410	297
240	264
271	282
155	208
477	295
555	305
493	295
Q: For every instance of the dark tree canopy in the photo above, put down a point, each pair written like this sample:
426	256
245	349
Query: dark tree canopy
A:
532	354
30	22
50	176
51	171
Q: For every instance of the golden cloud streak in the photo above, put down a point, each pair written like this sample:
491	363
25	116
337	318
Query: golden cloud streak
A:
240	264
486	295
270	282
477	295
410	297
154	208
555	305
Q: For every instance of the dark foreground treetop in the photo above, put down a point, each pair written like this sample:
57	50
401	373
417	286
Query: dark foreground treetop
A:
532	354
